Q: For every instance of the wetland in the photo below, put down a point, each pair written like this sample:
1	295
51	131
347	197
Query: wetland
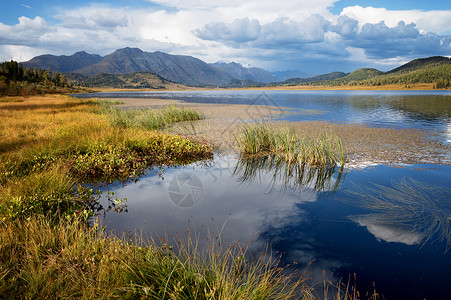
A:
383	215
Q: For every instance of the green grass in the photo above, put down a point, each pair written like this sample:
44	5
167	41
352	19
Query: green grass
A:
149	118
262	139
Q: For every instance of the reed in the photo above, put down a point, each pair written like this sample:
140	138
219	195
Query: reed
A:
262	139
149	118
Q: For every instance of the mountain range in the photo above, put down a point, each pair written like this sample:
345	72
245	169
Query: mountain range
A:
155	68
177	68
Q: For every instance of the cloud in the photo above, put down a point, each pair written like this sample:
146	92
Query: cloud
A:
95	17
281	33
27	32
239	31
380	41
437	21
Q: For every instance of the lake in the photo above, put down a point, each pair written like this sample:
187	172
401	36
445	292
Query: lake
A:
390	225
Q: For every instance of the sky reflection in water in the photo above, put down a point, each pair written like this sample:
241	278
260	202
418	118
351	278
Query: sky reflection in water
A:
319	219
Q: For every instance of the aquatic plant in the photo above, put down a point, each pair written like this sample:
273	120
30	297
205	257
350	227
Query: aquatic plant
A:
263	139
423	208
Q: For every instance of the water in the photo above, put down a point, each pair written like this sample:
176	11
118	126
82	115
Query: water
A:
426	110
321	219
388	225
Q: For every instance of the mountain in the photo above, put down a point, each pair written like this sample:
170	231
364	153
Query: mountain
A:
178	68
237	71
63	63
284	75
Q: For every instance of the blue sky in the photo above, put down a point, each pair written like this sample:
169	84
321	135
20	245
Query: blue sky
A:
314	36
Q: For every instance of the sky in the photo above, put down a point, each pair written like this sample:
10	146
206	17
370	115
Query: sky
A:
313	36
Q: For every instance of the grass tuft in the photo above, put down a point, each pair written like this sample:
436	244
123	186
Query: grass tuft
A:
262	139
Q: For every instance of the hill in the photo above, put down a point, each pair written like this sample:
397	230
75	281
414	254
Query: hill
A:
435	69
421	63
328	76
133	80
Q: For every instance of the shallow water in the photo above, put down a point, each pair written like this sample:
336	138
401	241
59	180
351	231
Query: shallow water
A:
321	219
427	110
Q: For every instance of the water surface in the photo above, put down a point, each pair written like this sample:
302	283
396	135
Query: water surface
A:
427	110
325	218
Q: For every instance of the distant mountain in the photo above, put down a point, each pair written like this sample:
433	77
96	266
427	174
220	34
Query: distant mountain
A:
237	71
63	63
284	75
178	68
328	76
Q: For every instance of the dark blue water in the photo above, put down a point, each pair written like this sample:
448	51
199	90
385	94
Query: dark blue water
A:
427	110
321	219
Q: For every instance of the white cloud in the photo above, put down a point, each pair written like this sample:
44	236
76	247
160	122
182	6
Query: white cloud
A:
27	32
239	31
426	21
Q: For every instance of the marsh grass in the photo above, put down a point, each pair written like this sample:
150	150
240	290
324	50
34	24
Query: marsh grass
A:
46	137
41	260
262	139
149	118
423	208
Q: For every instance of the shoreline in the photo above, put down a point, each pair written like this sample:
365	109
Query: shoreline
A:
388	87
365	144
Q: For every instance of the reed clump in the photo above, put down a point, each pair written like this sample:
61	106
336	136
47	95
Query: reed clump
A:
263	139
149	118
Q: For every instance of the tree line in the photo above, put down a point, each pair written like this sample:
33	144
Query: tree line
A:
16	80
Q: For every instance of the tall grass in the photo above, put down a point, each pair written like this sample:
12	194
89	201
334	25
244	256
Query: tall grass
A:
149	118
41	260
261	138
